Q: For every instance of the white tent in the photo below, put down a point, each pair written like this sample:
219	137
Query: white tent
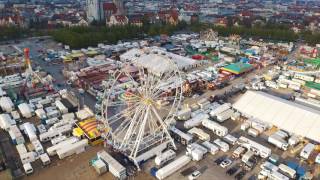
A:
284	114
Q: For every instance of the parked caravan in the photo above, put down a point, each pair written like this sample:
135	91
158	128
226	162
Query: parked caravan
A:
184	114
21	148
247	156
215	127
200	133
61	107
41	114
230	139
53	114
6	122
196	151
220	109
16	135
307	150
6	104
287	171
29	130
58	139
25	110
213	149
165	157
278	141
225	115
222	145
275	175
195	121
37	147
16	116
114	166
238	152
28	157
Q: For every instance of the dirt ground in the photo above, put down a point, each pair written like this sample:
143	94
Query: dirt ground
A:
76	167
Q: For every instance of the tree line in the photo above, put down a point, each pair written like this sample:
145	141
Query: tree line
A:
80	37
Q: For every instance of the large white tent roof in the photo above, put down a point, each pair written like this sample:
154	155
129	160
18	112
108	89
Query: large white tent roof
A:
284	114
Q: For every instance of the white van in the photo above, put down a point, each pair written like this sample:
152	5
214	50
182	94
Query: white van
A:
28	168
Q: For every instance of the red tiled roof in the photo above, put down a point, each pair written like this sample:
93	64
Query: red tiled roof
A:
110	7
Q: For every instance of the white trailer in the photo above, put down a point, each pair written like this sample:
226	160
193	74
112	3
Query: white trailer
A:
6	104
62	108
220	109
307	150
215	127
230	139
114	166
53	114
293	140
53	149
195	121
268	166
25	110
278	141
51	121
165	157
16	116
75	148
238	152
225	115
287	170
222	145
213	149
203	103
200	133
29	130
6	122
172	167
16	135
184	114
244	126
257	148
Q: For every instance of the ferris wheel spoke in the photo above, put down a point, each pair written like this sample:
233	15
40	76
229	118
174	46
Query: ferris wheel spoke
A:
141	132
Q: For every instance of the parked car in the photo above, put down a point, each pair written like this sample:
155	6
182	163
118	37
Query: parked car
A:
232	170
240	175
194	175
226	162
219	160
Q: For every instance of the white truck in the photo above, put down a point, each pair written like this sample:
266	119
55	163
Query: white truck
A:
278	141
27	168
30	130
287	170
164	157
53	149
200	133
173	167
195	121
225	115
55	132
25	110
230	139
213	149
6	104
114	166
75	148
220	109
307	150
215	127
222	145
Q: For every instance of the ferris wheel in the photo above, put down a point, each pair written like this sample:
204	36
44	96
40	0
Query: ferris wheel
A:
138	105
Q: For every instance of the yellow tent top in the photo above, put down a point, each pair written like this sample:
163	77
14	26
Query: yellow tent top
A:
76	55
78	132
92	52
